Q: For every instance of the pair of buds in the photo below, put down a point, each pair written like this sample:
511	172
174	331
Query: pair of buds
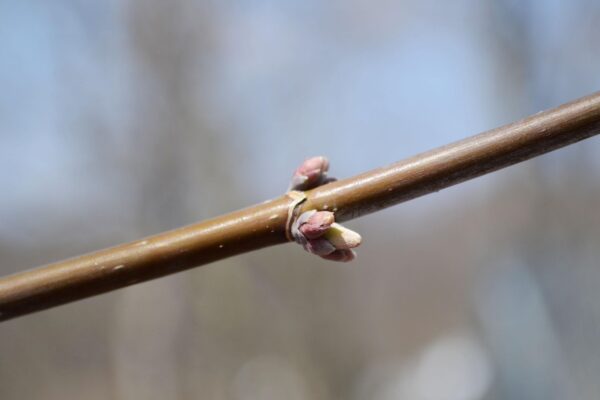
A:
316	231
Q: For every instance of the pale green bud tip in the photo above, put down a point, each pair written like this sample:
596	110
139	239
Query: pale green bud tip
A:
341	237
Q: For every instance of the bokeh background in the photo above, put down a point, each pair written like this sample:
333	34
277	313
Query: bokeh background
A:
120	119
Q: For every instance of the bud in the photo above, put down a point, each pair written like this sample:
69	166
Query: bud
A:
316	231
310	174
318	234
341	237
317	224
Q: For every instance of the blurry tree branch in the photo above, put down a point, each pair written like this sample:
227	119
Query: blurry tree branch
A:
265	224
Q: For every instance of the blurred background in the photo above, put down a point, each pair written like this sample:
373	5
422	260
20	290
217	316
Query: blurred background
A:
121	119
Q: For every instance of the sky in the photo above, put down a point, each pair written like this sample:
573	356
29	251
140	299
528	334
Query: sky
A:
293	79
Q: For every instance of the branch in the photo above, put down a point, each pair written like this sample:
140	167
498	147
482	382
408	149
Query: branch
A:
265	224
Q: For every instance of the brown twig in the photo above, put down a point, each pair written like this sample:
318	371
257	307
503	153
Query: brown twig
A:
265	224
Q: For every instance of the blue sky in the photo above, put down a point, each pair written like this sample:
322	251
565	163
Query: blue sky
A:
304	77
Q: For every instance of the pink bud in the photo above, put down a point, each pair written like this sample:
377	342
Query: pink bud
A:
317	224
316	231
310	174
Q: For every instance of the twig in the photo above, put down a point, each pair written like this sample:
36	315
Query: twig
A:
265	224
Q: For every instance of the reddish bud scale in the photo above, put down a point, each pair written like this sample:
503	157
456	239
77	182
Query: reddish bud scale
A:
317	224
